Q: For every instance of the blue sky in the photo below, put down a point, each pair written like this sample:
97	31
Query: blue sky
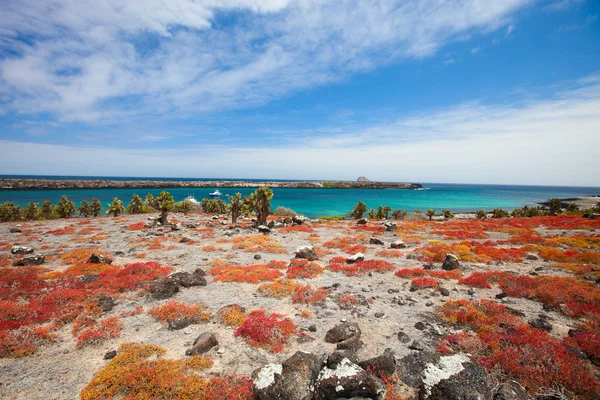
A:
433	91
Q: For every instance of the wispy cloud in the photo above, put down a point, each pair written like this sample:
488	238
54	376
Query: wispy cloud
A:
550	141
110	61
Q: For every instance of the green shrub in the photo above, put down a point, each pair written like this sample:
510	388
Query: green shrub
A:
284	212
32	211
65	207
116	208
447	214
481	214
85	209
359	209
399	214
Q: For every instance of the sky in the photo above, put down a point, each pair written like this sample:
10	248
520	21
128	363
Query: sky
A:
462	91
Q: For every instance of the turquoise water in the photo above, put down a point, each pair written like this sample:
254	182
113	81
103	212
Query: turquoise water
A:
316	202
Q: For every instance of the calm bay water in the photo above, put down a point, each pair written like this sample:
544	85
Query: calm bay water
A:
316	202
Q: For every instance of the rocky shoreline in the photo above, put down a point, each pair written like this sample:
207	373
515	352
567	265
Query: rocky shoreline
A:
58	184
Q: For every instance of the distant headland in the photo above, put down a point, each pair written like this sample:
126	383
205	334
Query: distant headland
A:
62	184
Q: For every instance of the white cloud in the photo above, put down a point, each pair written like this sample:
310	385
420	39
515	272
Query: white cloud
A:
111	60
553	141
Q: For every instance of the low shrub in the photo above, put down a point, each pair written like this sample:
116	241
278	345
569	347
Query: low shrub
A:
267	331
173	310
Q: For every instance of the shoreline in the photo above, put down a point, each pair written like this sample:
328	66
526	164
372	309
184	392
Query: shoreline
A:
62	184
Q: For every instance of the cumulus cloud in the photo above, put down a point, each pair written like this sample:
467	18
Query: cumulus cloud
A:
114	60
551	141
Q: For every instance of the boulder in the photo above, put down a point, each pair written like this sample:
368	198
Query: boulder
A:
540	323
346	335
398	244
376	241
163	289
292	380
384	364
21	250
410	368
389	226
335	358
15	230
355	258
299	219
99	259
105	302
511	390
455	378
179	323
29	261
451	262
264	229
347	380
109	355
362	221
307	252
202	344
186	279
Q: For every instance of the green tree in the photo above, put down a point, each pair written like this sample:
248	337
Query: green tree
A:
572	207
85	209
136	205
359	209
32	211
481	214
214	206
163	203
65	207
380	213
372	214
555	206
9	211
499	213
96	207
447	213
47	209
263	196
417	211
430	213
116	208
185	206
236	206
386	212
399	214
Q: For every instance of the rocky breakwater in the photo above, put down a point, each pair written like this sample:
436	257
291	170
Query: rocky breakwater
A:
57	184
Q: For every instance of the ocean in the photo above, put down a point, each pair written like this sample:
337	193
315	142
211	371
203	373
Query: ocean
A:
321	202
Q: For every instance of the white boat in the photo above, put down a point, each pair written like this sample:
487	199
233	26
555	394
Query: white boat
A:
191	198
216	193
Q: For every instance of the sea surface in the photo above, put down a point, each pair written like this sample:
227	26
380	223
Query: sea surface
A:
318	202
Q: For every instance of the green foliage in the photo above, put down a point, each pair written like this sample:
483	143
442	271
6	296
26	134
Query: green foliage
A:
136	205
499	213
383	212
555	206
572	207
372	213
47	209
85	209
332	218
116	208
417	211
430	213
32	211
359	209
65	208
163	203
9	212
96	207
236	206
447	213
184	206
284	212
399	214
260	202
481	214
597	208
214	206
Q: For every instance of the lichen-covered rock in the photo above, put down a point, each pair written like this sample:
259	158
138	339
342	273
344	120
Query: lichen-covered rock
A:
390	226
362	221
451	262
21	250
105	302
455	378
99	259
163	289
398	244
355	258
410	368
29	261
306	252
203	343
299	219
264	229
347	380
292	380
384	364
186	279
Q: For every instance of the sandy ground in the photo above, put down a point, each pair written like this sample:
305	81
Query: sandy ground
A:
60	370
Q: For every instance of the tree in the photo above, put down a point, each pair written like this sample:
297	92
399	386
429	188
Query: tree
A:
116	208
185	206
96	207
417	211
9	211
399	214
372	214
263	196
480	214
47	209
430	213
65	207
386	212
572	207
236	206
597	208
85	209
214	206
380	213
163	203
447	213
136	205
555	206
359	209
499	213
32	211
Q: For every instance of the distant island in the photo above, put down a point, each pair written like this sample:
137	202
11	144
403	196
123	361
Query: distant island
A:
61	184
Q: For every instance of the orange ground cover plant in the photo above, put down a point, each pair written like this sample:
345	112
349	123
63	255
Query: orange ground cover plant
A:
131	374
419	272
258	243
226	272
104	329
345	243
424	282
233	315
303	269
137	226
390	253
308	295
278	289
297	228
361	267
173	310
267	331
